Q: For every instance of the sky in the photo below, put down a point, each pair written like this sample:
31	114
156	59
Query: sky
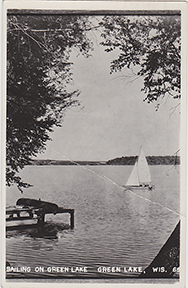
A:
112	120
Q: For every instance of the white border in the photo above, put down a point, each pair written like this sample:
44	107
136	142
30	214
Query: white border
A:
96	6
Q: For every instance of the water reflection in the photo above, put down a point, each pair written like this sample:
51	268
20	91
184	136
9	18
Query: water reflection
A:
47	231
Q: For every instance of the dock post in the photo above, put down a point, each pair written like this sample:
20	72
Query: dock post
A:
72	219
41	219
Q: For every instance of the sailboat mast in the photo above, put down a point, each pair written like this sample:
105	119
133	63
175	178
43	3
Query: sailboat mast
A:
143	169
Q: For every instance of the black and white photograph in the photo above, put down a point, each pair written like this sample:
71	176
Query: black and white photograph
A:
94	142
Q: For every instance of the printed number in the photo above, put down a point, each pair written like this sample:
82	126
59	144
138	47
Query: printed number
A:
175	269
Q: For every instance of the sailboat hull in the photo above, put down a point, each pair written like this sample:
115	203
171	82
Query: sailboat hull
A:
147	187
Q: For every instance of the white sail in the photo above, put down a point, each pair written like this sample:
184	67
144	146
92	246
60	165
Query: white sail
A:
140	175
133	179
143	169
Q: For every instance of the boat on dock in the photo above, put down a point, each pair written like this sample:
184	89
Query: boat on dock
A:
140	176
31	213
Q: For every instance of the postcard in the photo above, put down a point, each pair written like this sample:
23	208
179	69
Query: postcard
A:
93	144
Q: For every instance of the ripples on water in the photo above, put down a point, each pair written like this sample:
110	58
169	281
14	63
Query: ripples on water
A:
113	227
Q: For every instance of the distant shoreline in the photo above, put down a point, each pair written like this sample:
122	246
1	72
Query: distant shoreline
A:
125	160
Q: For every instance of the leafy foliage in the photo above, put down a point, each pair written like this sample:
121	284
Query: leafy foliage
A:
150	43
38	71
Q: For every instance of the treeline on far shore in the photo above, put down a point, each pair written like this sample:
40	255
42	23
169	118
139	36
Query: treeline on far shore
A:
124	160
152	160
65	162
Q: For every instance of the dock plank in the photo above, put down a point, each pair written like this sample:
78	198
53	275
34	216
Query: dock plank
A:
39	212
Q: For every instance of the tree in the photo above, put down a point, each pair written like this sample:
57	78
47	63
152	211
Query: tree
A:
38	71
152	45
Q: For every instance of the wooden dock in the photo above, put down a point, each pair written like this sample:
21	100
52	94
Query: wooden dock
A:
36	209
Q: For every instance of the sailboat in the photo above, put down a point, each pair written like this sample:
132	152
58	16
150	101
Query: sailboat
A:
140	176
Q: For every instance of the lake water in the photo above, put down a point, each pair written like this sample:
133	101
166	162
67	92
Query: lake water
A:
113	227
